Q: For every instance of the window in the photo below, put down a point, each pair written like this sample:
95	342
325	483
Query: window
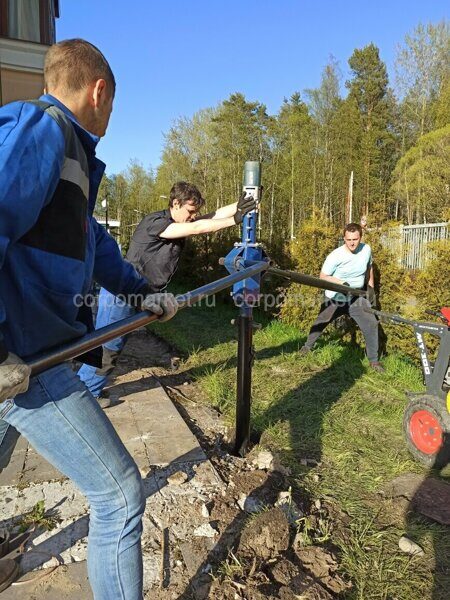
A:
23	20
29	20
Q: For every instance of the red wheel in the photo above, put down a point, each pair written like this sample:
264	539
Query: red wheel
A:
426	424
425	431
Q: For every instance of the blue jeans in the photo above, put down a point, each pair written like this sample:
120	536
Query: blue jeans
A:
110	310
65	424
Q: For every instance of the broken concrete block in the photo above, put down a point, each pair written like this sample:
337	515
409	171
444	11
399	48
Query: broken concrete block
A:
249	504
205	530
177	478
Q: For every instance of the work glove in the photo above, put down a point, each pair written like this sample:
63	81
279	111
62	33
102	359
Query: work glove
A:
245	204
162	304
14	377
371	296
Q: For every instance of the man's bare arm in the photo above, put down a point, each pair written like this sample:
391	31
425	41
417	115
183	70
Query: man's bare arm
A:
225	211
371	280
330	278
181	230
221	213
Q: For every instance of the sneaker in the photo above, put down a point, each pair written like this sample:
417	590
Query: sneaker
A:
9	571
377	366
304	350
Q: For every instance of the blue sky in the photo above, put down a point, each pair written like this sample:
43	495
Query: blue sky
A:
173	58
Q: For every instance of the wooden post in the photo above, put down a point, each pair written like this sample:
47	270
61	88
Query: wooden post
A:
349	207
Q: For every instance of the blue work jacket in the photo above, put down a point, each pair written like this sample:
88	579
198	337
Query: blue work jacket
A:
40	290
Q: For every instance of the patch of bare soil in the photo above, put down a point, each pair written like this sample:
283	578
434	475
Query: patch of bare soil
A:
253	546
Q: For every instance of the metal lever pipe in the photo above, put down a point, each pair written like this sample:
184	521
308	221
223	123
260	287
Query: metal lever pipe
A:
438	327
54	356
316	282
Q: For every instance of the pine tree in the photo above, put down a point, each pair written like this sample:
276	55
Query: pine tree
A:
293	142
324	102
369	89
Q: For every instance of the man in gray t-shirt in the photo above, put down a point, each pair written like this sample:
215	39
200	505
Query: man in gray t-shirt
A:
350	264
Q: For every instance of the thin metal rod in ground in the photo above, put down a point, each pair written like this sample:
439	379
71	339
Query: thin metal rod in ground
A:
316	282
55	356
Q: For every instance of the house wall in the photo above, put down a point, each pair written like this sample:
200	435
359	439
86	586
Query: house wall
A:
21	70
20	85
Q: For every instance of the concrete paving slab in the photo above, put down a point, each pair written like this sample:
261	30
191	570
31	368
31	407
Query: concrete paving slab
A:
161	443
36	469
164	433
12	473
69	582
148	424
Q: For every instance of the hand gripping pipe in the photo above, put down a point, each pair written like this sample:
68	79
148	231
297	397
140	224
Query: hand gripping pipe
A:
54	356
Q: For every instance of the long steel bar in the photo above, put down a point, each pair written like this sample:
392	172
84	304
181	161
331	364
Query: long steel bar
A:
316	282
244	383
41	362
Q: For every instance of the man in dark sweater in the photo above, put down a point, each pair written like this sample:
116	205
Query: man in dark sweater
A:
155	251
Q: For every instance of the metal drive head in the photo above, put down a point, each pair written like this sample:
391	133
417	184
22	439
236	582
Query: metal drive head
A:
252	179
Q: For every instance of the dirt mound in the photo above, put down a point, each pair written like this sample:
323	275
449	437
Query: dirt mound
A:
262	538
266	537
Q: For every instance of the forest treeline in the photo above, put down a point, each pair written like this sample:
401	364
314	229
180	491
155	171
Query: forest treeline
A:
391	130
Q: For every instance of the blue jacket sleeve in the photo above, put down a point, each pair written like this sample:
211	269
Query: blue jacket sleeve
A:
31	158
111	271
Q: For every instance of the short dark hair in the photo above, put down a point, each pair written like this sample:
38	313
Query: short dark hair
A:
352	227
186	192
74	64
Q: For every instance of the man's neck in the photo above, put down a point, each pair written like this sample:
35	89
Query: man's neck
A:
77	106
352	251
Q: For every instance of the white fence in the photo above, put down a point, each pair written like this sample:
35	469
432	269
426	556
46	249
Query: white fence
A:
410	242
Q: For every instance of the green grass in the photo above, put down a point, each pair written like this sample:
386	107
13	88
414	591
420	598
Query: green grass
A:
329	406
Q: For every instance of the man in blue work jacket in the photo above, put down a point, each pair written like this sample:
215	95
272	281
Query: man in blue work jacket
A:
51	248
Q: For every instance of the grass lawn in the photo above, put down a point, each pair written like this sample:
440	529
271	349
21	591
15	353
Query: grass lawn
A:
330	407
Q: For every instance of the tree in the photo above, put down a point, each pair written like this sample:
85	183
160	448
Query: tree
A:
346	128
293	142
324	102
240	134
422	72
369	89
441	108
422	66
422	175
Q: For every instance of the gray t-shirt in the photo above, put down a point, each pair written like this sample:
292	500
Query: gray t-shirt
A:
351	267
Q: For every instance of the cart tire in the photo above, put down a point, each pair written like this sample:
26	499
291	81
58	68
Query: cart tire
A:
426	425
